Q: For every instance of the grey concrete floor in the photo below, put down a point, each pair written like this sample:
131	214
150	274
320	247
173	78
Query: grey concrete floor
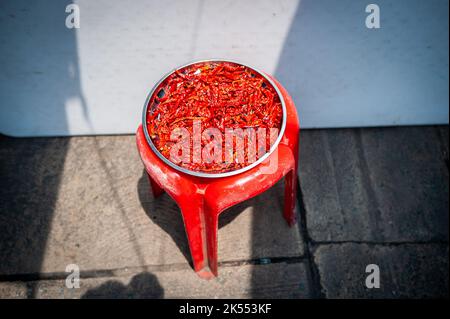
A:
367	196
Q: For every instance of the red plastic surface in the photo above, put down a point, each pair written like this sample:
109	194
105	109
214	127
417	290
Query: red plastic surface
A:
201	200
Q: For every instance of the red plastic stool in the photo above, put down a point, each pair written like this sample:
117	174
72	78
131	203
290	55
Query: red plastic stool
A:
201	200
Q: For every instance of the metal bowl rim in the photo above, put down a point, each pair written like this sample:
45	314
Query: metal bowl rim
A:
203	174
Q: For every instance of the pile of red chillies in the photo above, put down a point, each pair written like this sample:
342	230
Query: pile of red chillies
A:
218	94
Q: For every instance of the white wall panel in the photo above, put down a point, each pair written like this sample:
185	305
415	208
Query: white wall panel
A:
94	80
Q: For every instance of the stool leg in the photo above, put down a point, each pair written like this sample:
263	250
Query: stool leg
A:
156	189
212	226
192	209
290	190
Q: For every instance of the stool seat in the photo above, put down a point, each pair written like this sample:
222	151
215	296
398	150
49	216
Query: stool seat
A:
202	200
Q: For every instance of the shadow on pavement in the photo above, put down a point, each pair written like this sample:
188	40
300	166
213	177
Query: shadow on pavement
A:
142	286
165	213
30	172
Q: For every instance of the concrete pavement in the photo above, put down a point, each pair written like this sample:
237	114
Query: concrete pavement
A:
368	196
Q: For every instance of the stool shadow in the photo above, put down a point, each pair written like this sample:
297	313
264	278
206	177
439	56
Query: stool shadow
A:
144	285
165	212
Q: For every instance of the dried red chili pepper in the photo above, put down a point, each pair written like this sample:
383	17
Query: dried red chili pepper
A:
219	94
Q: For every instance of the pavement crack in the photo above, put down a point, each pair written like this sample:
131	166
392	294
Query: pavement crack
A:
313	271
130	271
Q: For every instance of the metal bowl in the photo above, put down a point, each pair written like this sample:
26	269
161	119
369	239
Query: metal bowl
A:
157	88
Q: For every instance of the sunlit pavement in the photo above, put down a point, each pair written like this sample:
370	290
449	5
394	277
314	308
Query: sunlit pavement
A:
368	196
